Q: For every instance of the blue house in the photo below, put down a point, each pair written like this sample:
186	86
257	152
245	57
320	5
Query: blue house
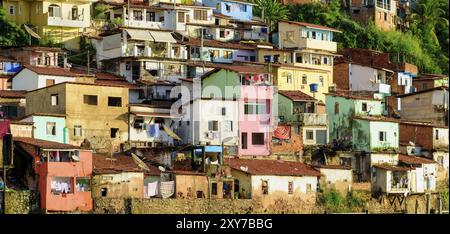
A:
236	9
49	127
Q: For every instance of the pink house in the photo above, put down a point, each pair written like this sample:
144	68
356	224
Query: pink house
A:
255	114
62	173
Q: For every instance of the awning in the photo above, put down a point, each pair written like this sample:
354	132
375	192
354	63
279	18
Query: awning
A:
139	34
171	133
31	32
162	36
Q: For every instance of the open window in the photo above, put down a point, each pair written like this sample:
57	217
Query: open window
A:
265	187
61	185
115	101
51	128
54	10
83	184
90	100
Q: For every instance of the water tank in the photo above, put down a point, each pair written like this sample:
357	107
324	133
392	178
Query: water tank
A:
313	87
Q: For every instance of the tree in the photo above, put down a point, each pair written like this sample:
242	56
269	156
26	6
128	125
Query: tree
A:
11	34
426	15
270	11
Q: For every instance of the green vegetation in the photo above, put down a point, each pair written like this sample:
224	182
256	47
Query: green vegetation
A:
335	202
12	35
270	11
424	44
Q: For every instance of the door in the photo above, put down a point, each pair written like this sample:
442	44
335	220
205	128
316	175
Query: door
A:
244	140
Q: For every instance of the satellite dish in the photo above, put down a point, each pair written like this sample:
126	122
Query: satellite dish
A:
75	158
162	168
412	143
244	168
227	139
139	162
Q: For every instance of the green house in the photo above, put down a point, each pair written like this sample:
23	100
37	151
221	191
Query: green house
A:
293	104
375	134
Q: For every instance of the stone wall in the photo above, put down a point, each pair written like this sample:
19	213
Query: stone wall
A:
191	206
17	202
111	206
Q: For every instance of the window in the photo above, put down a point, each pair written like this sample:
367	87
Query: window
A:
336	108
313	35
244	140
437	134
243	7
104	192
83	184
60	185
49	82
114	132
200	15
324	36
11	9
254	108
137	15
309	135
90	100
54	11
54	99
228	54
424	86
257	138
325	60
222	34
115	101
385	16
228	125
150	16
224	111
321	80
214	54
74	13
213	125
289	79
304	79
290	187
382	136
77	130
227	7
364	106
290	35
51	128
20	9
265	187
181	17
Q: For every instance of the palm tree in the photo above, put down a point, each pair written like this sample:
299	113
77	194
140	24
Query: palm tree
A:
427	14
270	11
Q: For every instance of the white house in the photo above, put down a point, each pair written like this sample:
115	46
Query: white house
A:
273	179
32	77
424	177
337	176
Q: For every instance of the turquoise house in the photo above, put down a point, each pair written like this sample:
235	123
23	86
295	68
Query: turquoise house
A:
50	127
375	134
341	109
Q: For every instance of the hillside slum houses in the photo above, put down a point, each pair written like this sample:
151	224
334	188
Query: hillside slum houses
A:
201	99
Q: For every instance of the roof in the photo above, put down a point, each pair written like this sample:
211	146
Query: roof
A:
340	60
392	167
43	144
44	114
309	25
272	167
296	95
120	163
421	123
80	83
423	91
12	93
55	71
121	83
426	76
407	159
377	118
242	69
337	167
352	96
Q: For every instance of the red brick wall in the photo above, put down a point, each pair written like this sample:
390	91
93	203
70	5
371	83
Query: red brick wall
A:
341	76
419	84
423	137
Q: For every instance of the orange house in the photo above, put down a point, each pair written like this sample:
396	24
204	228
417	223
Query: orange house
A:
62	174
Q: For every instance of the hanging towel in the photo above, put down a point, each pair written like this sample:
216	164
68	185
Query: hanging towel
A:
156	130
152	189
167	189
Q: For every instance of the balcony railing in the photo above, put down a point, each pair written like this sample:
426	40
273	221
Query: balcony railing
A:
382	88
315	44
62	22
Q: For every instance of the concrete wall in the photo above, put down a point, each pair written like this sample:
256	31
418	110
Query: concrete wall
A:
420	107
123	185
186	186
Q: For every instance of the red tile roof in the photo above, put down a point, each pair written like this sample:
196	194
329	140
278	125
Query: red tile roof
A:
392	167
424	91
308	25
296	95
430	77
12	93
407	159
218	44
119	163
55	71
43	144
340	167
272	167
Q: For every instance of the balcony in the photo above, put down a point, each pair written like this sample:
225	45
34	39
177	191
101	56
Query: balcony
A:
144	24
308	43
312	119
61	22
382	88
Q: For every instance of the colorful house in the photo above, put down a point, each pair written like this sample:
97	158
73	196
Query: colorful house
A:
49	127
60	21
34	55
96	114
375	134
382	13
237	9
62	173
274	179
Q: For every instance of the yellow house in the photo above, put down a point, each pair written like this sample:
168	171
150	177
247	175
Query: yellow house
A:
289	77
95	112
61	20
